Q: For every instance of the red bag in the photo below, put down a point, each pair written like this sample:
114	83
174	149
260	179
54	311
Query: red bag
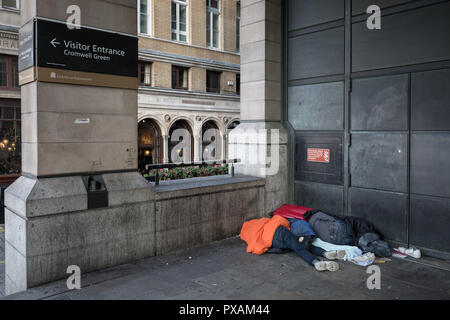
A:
290	211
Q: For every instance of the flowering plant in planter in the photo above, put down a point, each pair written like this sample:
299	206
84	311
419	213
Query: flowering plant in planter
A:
188	172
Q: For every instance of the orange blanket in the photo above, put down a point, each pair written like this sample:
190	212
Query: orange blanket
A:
259	233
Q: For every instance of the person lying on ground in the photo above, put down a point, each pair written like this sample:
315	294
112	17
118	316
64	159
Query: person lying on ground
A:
263	234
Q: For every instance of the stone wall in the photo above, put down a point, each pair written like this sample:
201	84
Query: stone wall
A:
203	210
49	227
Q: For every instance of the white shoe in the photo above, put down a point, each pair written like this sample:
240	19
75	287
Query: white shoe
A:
412	252
326	265
335	255
401	249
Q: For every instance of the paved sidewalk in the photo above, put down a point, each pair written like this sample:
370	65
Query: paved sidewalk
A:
224	270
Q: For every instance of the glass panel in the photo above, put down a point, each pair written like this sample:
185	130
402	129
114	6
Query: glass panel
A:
10	4
183	18
238	35
3	73
180	77
174	15
144	16
15	70
208	29
174	77
216	33
185	78
8	113
212	80
148	74
143	27
216	36
216	22
10	143
183	37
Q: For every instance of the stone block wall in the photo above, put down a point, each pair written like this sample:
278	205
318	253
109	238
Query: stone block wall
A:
190	217
50	227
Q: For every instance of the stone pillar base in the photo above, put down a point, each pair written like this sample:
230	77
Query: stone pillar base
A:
48	227
263	149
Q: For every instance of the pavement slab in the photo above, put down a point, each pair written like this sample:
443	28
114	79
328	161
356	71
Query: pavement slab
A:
224	271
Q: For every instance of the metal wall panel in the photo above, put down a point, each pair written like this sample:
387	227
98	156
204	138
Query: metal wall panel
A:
398	175
305	13
321	172
430	221
380	103
323	197
317	107
386	210
430	164
360	6
431	100
379	161
416	36
316	54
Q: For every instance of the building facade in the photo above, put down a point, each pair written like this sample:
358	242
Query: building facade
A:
10	114
189	78
189	66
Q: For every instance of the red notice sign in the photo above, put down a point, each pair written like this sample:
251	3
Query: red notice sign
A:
319	155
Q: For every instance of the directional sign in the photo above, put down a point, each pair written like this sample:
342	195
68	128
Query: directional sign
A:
84	56
26	46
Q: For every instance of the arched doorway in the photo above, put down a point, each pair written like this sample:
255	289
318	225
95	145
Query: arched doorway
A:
211	142
150	143
181	142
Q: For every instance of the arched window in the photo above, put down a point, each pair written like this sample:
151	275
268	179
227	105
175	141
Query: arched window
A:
211	142
181	142
149	143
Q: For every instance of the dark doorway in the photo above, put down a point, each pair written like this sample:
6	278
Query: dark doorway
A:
150	143
211	142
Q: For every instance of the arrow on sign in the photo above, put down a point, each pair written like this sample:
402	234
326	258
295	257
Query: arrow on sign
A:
54	42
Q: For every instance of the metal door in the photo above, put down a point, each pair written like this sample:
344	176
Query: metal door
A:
378	103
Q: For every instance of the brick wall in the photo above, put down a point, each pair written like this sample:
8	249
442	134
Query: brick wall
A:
162	74
197	79
196	46
224	87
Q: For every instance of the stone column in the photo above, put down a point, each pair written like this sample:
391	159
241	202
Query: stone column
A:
71	135
261	140
223	153
198	156
166	149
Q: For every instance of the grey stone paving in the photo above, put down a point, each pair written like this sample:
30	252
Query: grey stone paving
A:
223	270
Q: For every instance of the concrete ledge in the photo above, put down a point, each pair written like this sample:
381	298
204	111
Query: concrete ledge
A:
49	228
38	197
197	186
128	187
198	211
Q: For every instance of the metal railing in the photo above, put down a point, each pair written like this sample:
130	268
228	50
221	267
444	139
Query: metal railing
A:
201	164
